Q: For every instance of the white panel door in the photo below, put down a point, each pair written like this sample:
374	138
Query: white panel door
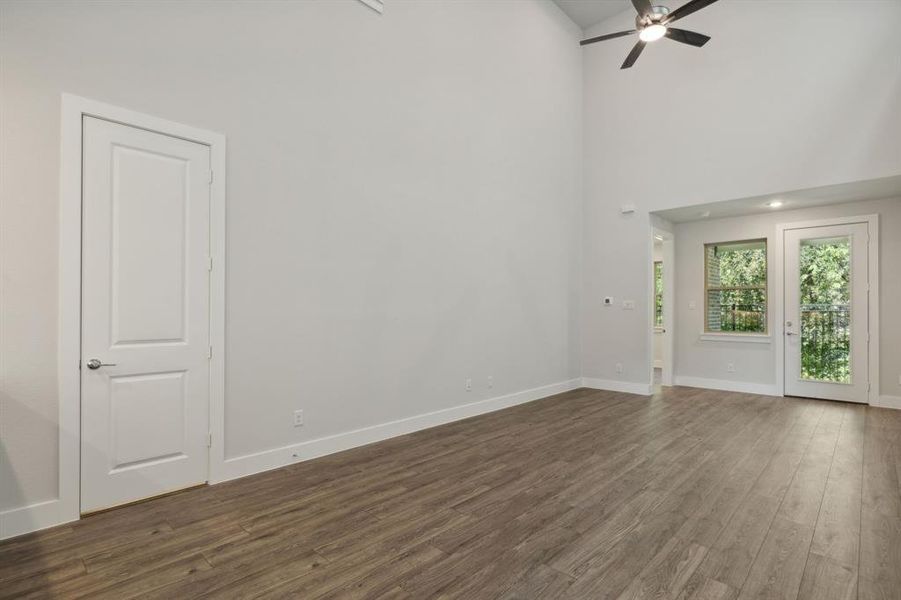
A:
827	312
145	314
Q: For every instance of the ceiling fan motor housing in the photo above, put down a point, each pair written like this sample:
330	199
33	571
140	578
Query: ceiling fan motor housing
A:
657	14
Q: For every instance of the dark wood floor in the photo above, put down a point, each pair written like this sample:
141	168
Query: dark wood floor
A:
689	494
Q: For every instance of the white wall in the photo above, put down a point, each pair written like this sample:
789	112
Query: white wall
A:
404	199
787	95
756	363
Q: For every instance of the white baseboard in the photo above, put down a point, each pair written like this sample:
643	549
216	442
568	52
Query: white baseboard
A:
242	466
629	387
888	402
763	389
41	515
34	517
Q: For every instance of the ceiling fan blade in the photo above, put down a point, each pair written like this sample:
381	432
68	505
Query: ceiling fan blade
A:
642	6
609	36
687	37
633	56
687	9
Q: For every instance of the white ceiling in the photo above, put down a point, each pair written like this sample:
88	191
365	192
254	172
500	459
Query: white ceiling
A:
588	12
871	189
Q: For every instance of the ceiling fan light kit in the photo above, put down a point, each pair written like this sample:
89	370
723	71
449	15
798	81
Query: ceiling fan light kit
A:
653	23
652	33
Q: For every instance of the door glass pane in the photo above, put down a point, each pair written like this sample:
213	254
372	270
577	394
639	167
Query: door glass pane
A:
826	309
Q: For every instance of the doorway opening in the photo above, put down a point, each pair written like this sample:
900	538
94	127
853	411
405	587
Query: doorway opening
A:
661	300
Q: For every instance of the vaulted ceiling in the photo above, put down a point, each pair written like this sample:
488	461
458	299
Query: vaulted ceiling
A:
588	12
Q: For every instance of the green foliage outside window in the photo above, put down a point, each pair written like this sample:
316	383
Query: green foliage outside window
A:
825	280
658	294
736	280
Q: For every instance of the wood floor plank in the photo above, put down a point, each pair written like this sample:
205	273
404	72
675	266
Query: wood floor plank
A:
689	494
779	566
700	587
881	489
880	556
668	573
837	534
732	555
825	579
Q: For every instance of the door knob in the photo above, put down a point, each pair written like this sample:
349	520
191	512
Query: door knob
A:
789	333
95	363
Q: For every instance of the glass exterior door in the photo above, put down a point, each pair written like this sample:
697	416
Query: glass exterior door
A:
826	312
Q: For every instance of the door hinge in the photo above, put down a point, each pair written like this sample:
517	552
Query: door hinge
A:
209	440
209	263
211	176
209	353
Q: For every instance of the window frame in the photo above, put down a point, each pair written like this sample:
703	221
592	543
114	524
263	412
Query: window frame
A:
764	287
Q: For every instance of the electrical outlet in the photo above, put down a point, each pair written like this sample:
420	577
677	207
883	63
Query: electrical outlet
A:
490	381
298	418
468	385
619	367
692	305
730	367
629	304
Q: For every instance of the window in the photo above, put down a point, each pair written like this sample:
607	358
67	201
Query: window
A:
658	293
735	287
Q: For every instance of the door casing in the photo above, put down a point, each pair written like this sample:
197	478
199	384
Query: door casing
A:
74	108
778	327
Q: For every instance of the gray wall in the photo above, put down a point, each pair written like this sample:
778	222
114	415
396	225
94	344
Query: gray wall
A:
760	109
756	363
403	201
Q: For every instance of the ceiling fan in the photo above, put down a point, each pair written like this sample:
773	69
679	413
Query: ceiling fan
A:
652	23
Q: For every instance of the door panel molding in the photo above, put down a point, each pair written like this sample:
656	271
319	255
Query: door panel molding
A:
66	507
872	222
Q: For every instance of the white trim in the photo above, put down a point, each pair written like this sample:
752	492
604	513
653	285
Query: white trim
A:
611	385
888	402
777	326
73	109
217	310
250	464
763	389
746	338
34	517
376	5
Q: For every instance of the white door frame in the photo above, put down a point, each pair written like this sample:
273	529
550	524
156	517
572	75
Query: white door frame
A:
778	328
74	108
